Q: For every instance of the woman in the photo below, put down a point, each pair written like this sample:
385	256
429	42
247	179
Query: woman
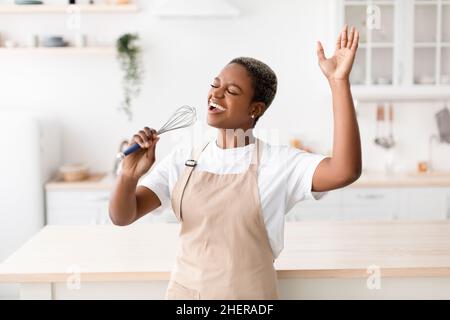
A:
230	195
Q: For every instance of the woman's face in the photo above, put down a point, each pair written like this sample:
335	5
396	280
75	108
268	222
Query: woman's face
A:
230	99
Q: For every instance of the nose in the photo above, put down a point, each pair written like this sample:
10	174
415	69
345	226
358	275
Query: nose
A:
217	92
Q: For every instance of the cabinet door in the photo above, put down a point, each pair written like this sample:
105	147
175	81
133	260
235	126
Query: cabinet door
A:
377	23
77	207
426	204
327	208
404	44
447	214
72	217
431	42
370	203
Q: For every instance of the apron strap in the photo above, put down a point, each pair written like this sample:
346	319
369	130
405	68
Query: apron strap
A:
190	166
256	156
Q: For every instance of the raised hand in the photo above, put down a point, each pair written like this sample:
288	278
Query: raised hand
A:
338	67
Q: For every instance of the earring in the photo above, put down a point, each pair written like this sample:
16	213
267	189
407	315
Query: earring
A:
253	116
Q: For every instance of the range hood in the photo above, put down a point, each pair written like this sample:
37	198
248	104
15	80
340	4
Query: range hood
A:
196	9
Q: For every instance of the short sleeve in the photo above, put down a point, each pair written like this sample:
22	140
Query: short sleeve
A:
157	179
299	181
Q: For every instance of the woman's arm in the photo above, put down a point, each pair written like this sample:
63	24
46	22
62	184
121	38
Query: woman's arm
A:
128	202
344	167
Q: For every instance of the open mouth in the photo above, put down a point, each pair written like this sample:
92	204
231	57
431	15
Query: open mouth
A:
216	108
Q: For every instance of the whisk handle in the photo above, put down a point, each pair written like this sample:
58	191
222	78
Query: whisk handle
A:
129	150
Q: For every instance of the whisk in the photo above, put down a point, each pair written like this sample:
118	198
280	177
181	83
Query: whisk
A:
183	117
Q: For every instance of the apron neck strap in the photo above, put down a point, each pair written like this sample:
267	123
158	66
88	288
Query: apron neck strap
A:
255	156
196	152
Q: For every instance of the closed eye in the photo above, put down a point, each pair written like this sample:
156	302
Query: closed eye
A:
229	91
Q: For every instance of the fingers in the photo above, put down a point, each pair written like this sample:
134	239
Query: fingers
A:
151	134
145	138
320	51
338	43
151	150
344	38
355	42
350	37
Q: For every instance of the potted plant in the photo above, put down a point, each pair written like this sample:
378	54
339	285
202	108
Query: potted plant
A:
129	57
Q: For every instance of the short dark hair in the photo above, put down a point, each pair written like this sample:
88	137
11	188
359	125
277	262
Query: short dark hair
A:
264	80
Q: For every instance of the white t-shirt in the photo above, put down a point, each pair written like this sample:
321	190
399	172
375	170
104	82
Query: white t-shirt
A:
284	178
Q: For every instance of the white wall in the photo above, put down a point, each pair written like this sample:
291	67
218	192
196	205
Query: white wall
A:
181	57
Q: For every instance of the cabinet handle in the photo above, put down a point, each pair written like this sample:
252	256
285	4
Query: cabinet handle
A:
98	198
448	206
370	196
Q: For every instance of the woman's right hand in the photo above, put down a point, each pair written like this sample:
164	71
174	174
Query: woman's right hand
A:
136	164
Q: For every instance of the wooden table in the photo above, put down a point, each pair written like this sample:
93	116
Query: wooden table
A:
325	260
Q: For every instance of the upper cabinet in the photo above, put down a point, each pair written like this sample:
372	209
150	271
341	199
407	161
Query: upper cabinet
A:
66	8
404	48
375	61
431	42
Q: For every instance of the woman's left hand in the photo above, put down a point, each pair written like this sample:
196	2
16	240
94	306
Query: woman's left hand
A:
338	67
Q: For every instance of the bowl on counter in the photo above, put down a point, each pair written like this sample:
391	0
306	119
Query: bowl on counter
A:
74	172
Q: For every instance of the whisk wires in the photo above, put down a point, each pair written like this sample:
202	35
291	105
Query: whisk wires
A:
183	117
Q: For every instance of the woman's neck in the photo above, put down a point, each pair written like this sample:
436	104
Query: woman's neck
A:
234	138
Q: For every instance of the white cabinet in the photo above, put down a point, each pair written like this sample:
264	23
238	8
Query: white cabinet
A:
426	204
370	203
77	207
420	203
327	208
431	42
376	23
404	47
88	206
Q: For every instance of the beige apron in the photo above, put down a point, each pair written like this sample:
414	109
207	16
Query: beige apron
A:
224	250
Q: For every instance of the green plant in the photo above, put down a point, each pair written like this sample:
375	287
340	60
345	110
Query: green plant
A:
129	57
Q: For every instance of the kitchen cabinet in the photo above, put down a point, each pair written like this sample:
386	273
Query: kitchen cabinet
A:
372	197
327	208
87	202
420	203
350	204
77	207
431	42
426	204
90	207
64	9
376	23
370	203
404	48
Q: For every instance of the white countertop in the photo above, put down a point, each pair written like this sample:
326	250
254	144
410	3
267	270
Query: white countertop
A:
402	179
101	181
312	250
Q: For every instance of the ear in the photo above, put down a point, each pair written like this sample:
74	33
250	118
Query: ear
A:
257	109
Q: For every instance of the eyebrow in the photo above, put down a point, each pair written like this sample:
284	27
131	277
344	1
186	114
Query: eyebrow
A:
231	84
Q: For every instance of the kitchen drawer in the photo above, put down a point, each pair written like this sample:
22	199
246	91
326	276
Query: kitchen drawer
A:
379	197
368	213
310	213
331	199
426	204
67	207
71	217
77	199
